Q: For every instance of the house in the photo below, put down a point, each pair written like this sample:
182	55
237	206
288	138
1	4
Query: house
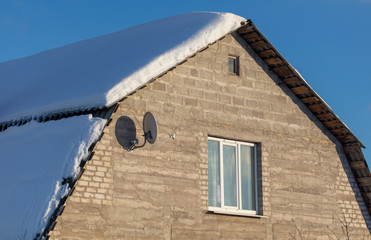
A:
245	148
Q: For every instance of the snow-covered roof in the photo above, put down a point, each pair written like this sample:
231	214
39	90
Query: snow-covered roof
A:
100	71
95	73
35	158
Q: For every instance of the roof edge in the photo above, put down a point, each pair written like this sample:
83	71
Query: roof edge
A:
297	84
320	109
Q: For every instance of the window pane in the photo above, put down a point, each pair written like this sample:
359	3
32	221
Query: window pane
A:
214	174
231	65
248	178
229	174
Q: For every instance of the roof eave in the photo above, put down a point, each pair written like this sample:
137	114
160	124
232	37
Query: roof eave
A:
297	84
320	109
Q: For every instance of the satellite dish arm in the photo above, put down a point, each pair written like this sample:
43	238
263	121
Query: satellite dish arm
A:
145	135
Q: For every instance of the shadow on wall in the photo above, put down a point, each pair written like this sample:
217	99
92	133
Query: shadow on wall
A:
125	131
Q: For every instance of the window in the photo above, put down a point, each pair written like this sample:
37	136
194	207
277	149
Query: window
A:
233	65
232	176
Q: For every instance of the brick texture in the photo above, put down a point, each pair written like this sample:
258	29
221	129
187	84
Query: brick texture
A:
160	191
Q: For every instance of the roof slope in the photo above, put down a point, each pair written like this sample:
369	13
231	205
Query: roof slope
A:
35	159
100	71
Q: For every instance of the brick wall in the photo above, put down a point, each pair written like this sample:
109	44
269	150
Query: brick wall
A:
160	191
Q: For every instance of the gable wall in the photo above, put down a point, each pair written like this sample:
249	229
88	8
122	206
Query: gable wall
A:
160	191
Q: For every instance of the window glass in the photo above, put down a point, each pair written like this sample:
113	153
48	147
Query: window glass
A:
214	174
232	65
229	173
247	178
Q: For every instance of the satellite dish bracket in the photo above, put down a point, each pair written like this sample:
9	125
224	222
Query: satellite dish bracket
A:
133	144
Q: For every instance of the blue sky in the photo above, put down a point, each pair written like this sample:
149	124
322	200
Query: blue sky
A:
328	41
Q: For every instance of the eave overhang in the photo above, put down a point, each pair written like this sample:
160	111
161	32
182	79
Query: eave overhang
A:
299	87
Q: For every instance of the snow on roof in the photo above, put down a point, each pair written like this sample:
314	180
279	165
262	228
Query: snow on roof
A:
34	160
36	157
100	71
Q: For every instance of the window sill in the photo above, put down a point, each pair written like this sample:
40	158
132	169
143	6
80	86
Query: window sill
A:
233	74
234	213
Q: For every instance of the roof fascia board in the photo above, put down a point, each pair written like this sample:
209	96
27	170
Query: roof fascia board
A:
250	25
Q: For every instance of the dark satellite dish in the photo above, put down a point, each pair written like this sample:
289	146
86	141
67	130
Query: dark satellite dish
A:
150	127
150	131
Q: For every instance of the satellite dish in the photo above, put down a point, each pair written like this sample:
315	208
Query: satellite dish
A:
150	127
150	131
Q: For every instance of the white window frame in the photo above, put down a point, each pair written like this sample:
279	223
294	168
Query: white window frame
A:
228	209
